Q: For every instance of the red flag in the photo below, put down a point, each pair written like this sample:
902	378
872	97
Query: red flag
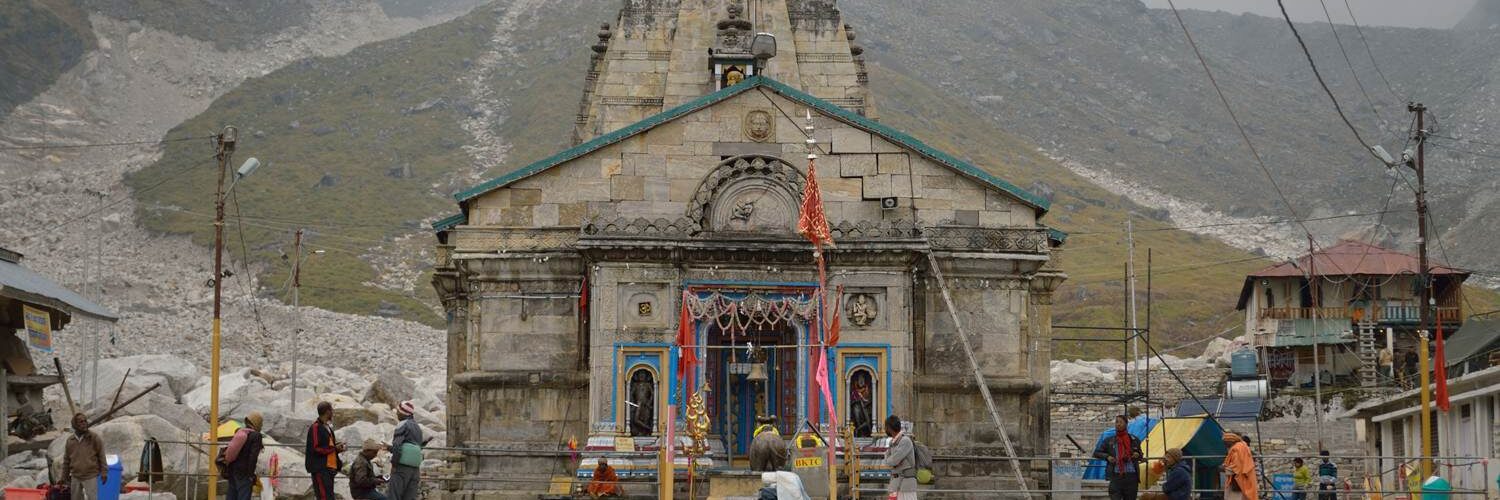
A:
685	341
833	329
1441	371
821	377
812	222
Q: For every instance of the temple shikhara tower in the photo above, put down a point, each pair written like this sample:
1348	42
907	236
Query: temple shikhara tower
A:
589	294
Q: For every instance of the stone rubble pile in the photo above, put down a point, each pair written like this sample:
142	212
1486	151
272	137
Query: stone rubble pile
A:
176	412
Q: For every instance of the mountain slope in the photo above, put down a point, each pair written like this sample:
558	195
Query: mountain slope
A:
1114	86
39	39
356	120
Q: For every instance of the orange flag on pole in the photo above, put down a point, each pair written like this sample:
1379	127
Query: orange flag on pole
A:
812	222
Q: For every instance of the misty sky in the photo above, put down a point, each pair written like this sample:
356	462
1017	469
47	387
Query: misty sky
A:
1409	13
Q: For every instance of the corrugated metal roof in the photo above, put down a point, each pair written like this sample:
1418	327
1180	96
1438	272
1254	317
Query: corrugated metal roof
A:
1036	202
20	283
1349	258
1472	339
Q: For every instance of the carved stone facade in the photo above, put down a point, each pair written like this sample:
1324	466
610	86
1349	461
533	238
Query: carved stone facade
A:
564	280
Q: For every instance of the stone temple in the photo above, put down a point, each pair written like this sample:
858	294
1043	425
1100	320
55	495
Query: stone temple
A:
564	281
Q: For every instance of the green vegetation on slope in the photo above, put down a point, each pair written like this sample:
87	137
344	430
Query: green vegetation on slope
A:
368	146
1197	279
39	40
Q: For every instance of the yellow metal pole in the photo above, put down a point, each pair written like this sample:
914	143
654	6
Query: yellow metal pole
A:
665	469
1425	377
227	140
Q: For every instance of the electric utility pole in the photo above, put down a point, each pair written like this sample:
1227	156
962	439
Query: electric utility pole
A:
1312	283
1135	348
226	142
1423	283
297	331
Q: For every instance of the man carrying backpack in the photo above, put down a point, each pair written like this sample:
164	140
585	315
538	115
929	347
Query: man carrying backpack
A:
240	457
901	457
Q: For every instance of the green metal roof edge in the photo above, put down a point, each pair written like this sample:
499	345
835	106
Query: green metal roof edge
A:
448	222
1037	202
903	139
1056	234
606	139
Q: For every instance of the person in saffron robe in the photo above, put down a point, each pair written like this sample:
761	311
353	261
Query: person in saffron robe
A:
605	482
1240	467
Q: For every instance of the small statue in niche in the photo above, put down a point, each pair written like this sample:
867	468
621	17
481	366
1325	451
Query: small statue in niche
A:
861	407
733	76
758	125
862	309
643	403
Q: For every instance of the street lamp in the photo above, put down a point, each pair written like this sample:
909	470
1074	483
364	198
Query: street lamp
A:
226	142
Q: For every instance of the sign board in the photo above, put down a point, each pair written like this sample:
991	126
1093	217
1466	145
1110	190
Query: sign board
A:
38	328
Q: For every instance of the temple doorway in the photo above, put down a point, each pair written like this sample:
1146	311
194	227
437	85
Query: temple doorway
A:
752	374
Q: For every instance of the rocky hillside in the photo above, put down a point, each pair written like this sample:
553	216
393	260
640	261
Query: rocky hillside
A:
384	135
134	85
1114	88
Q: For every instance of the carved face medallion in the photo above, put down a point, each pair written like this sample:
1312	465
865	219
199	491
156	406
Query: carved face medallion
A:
759	126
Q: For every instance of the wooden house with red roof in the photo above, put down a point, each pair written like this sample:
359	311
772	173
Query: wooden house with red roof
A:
1351	300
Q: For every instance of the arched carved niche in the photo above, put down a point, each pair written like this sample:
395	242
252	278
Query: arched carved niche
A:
748	194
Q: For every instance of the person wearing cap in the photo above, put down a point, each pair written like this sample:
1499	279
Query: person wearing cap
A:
767	449
405	478
241	456
363	482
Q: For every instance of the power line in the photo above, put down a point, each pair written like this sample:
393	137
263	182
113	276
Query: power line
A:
1470	141
1243	135
89	213
1465	151
1370	53
1340	41
1324	84
101	144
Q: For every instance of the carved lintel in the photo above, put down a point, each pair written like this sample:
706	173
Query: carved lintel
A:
554	379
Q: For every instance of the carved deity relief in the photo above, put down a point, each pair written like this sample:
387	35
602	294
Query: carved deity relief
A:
862	309
642	403
759	126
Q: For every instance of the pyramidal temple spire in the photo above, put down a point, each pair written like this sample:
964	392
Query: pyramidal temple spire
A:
663	53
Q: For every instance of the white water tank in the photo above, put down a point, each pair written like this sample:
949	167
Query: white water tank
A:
1246	389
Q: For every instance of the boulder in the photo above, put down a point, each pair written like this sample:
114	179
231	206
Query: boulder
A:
176	375
346	410
354	435
429	419
234	386
321	380
383	413
156	403
391	387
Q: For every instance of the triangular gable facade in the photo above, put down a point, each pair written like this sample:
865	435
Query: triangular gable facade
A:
649	166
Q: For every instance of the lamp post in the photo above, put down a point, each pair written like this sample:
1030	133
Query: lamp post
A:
226	142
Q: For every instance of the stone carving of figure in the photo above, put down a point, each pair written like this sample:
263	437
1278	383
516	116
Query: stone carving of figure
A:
861	407
734	76
758	125
643	397
862	310
743	210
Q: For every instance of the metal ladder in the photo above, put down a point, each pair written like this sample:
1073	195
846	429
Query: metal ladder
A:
1369	367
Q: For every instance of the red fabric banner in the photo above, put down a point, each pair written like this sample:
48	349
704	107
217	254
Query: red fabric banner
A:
685	342
812	222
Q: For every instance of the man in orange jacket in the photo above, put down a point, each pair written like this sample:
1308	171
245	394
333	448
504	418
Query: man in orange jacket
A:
1240	467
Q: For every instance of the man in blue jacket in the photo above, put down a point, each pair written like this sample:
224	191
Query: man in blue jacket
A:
1179	482
405	478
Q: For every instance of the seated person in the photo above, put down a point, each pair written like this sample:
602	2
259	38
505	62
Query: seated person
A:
605	482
